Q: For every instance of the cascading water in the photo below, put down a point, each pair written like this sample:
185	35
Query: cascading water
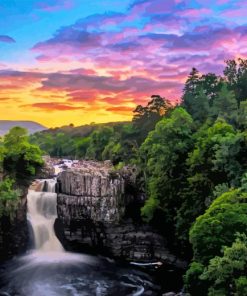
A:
42	213
48	270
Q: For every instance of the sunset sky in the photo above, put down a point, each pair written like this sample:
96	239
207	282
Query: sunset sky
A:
78	61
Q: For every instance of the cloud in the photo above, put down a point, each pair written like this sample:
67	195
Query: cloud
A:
6	39
55	5
104	85
67	38
54	106
157	6
5	98
111	61
121	109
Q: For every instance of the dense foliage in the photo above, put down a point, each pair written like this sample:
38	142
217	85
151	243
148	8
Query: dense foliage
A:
215	229
193	163
19	162
20	158
9	197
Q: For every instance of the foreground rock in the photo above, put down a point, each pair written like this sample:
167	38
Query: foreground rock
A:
97	208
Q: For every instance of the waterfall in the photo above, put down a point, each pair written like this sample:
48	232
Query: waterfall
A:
49	270
42	213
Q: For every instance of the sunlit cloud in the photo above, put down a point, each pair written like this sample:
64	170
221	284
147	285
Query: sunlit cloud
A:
98	67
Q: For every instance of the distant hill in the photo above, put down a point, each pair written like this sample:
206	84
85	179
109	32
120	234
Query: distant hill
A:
83	130
31	126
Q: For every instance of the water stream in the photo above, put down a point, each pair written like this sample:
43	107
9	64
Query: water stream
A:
48	270
42	213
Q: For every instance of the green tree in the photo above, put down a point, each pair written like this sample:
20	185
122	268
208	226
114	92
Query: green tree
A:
227	274
199	94
236	77
99	139
9	198
164	153
197	104
82	145
214	165
21	160
145	118
215	229
225	105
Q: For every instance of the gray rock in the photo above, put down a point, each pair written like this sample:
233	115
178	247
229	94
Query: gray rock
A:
92	206
46	172
90	194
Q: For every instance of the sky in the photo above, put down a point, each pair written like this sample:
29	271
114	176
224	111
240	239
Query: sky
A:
78	61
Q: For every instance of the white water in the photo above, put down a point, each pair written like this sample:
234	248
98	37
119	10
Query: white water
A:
42	213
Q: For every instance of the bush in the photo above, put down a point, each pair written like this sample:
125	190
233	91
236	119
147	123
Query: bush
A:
9	198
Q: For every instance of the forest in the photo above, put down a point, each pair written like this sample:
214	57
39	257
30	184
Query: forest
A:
192	164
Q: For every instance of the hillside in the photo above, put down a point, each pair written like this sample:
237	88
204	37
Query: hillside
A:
83	130
31	126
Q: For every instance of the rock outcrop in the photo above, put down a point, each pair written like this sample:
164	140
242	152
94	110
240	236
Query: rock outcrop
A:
47	170
94	206
91	194
14	234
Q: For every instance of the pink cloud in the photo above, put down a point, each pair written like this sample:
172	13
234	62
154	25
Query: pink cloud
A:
235	13
195	13
55	6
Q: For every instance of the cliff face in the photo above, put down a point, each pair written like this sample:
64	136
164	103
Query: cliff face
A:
14	234
90	194
93	208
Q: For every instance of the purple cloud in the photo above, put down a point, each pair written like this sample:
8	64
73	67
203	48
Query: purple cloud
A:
54	5
6	39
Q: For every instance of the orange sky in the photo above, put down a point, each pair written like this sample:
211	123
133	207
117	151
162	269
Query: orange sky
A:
65	62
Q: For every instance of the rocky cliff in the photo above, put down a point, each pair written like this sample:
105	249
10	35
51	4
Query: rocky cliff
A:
92	194
14	234
95	208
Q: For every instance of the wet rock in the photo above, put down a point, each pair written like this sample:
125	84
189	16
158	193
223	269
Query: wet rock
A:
93	202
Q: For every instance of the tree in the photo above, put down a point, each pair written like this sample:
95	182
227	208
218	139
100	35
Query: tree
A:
199	94
145	118
98	140
191	84
215	229
227	274
236	77
9	198
242	116
21	160
164	153
215	164
225	105
197	104
82	145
